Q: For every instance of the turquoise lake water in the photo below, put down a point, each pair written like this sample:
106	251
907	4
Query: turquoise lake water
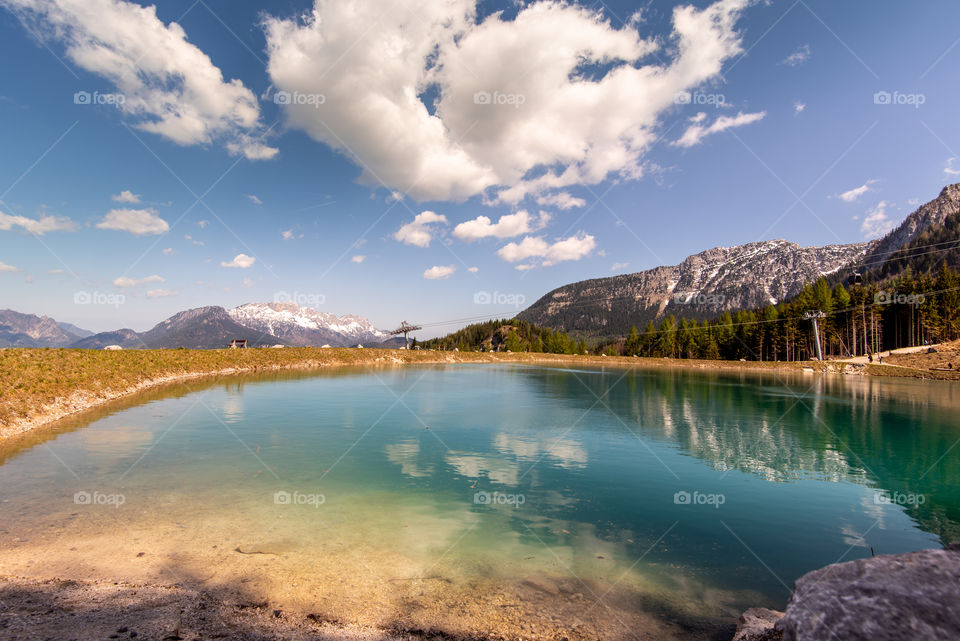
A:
533	499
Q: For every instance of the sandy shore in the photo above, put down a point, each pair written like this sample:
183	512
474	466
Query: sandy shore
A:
96	610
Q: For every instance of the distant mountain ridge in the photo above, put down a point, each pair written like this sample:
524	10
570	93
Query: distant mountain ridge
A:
261	324
702	286
722	279
929	215
29	330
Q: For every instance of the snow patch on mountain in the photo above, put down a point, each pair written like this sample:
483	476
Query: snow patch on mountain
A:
305	325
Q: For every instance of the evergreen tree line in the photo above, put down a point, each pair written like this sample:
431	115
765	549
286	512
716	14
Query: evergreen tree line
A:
508	335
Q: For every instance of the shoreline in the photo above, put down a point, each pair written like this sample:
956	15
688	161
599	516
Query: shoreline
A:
44	413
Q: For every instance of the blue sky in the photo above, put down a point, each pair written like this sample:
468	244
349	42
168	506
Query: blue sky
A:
602	143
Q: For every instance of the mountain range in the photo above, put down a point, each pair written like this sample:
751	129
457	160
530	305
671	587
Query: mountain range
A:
702	286
722	279
261	324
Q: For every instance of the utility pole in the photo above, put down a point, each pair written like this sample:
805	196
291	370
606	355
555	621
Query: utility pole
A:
816	316
405	328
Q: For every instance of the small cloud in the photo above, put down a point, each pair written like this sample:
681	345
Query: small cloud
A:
798	107
248	282
855	193
55	271
254	199
394	197
126	281
949	168
473	270
202	224
126	196
562	200
161	293
798	57
572	248
877	223
167	252
192	240
419	232
290	235
618	266
139	222
508	226
36	226
7	268
695	133
240	261
358	259
438	272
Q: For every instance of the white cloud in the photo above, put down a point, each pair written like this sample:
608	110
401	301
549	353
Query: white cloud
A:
877	223
287	235
254	199
561	200
358	259
161	293
508	226
798	57
419	232
202	224
241	261
38	226
949	168
126	281
167	252
55	271
852	195
248	282
799	107
169	86
7	268
193	240
618	266
126	196
395	196
572	248
438	272
139	222
561	126
695	133
473	270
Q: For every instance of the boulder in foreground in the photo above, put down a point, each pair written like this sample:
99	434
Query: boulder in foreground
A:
912	596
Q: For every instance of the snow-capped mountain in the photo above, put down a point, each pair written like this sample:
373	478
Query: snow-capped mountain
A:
298	325
702	286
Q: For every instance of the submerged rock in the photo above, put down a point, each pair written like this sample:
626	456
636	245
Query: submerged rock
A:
911	596
756	624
